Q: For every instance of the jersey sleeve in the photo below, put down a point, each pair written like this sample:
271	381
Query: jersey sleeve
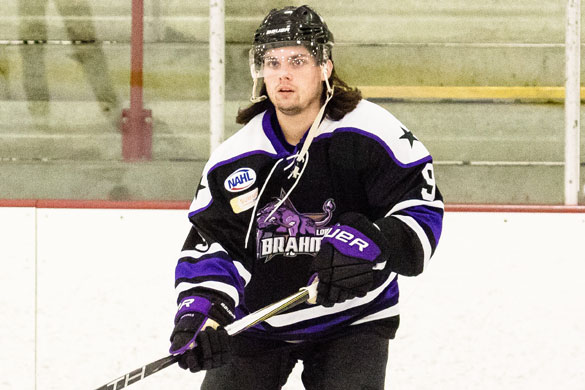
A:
204	266
413	220
400	184
206	262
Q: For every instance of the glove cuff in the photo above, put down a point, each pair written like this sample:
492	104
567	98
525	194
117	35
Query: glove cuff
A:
356	236
207	302
193	304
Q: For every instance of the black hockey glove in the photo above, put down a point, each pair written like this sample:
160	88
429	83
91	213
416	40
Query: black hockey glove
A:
351	261
195	336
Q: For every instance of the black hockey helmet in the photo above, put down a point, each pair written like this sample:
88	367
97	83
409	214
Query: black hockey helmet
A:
290	26
293	24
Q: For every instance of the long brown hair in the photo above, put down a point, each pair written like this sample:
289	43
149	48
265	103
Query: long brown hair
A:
344	100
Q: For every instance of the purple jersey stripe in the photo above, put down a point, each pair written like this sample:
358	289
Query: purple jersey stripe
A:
431	217
216	255
192	213
319	326
241	156
378	140
211	267
271	134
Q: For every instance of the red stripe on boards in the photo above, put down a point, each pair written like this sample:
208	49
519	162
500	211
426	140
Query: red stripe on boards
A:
184	205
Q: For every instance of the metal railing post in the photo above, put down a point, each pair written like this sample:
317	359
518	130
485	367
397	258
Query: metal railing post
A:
216	72
572	100
136	121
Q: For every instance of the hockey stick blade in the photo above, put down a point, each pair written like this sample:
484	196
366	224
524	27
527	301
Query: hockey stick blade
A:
303	295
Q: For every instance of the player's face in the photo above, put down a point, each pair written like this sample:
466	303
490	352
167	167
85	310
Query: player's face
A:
293	79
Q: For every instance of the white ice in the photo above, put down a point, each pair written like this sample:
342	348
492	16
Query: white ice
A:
86	295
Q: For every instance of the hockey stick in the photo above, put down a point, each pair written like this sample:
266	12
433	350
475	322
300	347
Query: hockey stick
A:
305	294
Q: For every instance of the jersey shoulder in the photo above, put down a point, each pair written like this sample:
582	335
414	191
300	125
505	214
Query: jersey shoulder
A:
375	122
247	141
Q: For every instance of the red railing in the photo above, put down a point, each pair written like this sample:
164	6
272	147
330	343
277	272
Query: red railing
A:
184	205
136	124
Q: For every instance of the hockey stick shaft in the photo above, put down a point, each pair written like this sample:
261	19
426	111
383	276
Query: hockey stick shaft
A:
140	373
303	295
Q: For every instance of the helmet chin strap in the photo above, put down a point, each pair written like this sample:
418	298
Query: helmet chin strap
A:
301	159
314	127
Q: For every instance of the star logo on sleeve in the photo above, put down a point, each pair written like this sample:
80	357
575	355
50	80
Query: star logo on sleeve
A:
200	186
408	136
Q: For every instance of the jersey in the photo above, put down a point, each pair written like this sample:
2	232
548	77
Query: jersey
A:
256	229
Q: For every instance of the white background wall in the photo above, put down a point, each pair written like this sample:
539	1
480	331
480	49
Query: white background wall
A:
87	295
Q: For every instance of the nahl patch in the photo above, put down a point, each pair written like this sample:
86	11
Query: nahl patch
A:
240	180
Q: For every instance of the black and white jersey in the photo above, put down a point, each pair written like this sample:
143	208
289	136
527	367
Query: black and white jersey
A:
254	248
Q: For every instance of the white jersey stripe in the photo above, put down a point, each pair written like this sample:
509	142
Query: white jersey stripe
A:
319	311
389	312
196	254
217	248
415	202
422	236
243	272
382	125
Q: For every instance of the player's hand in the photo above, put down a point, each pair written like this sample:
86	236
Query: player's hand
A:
351	261
197	336
213	350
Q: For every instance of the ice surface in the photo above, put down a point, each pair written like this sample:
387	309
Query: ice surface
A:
499	307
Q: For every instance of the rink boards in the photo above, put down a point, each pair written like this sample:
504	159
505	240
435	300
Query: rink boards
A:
87	294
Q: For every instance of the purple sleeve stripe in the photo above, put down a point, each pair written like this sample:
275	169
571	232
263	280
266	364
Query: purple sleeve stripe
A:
430	217
213	268
207	278
219	284
220	255
224	279
192	213
240	156
378	140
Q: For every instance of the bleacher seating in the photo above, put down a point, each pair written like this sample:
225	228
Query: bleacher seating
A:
502	150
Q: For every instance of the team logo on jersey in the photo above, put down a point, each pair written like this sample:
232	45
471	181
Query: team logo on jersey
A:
288	232
240	180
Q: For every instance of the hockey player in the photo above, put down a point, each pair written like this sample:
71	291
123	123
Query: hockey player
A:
317	183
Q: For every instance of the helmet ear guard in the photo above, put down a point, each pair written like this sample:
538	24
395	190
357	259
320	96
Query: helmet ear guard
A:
257	77
256	90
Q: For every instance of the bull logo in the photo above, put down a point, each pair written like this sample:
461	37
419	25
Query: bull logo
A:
288	232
